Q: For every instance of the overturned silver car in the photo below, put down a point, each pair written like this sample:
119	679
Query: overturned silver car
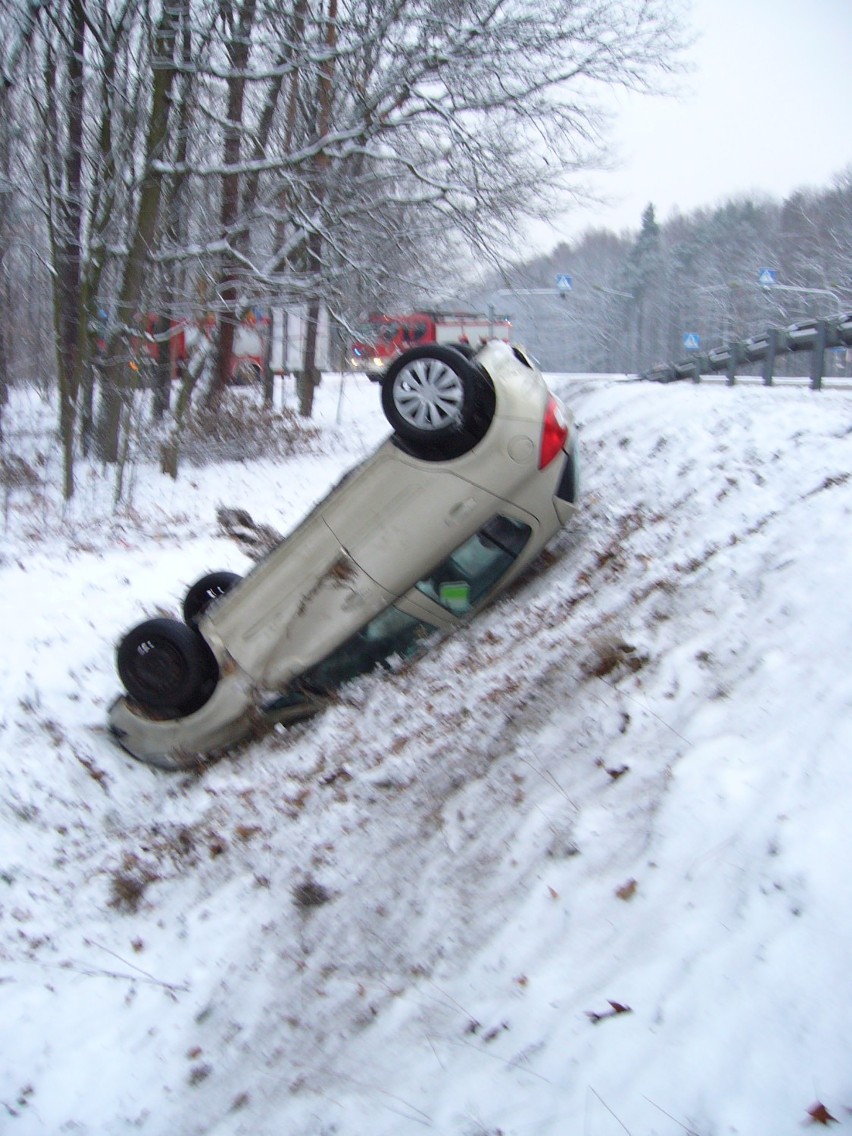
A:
479	473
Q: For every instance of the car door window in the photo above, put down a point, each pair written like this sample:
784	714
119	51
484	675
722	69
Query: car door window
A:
391	632
473	570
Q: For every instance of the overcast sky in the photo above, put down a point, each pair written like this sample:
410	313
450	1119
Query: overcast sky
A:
765	111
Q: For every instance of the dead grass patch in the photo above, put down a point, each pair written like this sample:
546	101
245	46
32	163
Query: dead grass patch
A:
241	430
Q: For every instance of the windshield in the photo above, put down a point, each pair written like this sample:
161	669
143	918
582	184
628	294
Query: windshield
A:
376	331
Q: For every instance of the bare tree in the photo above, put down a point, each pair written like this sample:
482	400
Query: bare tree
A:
343	152
238	21
144	225
97	113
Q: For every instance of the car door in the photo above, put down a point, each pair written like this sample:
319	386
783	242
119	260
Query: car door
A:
360	548
295	606
410	514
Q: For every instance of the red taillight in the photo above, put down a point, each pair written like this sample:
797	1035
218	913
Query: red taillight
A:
553	432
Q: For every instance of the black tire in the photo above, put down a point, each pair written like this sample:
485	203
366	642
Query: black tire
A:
437	401
204	591
466	349
166	666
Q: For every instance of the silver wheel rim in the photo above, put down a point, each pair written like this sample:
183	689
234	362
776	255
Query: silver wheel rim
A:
428	394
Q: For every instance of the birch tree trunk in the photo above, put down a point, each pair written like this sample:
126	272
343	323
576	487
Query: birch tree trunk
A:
238	58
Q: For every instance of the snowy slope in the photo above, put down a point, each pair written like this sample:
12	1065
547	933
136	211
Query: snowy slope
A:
583	869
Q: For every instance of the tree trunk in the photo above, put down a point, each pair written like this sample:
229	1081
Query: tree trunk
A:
4	236
310	376
128	314
69	319
162	367
238	56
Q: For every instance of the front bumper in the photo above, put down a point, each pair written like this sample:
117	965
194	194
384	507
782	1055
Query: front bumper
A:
228	716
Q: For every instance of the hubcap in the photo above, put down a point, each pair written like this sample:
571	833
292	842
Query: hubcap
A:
428	394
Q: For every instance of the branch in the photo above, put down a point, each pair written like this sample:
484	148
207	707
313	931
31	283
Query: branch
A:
20	42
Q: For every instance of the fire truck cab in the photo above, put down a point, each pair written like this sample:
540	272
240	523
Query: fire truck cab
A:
385	336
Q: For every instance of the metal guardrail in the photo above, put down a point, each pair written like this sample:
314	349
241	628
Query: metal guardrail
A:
813	335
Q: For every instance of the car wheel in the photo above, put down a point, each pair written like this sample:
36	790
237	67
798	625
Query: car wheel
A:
166	666
466	349
204	591
432	397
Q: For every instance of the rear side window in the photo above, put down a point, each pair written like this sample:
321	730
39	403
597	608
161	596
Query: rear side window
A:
473	570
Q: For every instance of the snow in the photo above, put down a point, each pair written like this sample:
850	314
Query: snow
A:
582	869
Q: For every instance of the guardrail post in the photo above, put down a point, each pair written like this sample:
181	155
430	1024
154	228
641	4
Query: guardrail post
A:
818	354
769	357
733	360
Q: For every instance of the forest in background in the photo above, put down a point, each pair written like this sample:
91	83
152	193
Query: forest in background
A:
636	295
182	163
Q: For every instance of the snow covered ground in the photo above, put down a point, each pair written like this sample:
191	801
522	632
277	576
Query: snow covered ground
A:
584	869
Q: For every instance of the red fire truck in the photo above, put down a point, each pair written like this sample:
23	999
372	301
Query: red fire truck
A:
249	343
384	337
